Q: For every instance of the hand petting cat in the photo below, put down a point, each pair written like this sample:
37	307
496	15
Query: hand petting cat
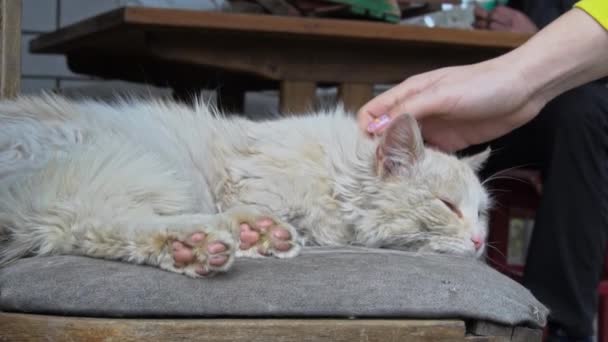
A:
457	106
472	104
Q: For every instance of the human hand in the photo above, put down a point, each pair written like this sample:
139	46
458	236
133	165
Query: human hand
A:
466	105
503	18
457	106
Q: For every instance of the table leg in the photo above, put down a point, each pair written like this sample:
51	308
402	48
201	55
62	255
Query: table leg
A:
355	95
10	50
296	97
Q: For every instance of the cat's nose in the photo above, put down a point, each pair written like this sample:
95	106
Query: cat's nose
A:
477	241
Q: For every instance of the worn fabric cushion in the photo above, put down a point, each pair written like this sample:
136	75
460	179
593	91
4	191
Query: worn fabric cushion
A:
321	282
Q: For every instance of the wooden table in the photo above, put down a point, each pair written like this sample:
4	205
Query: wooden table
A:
233	53
31	327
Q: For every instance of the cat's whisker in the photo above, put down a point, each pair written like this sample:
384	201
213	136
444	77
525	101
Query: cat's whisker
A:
455	245
496	249
497	204
451	239
523	180
418	235
446	243
490	259
498	173
497	190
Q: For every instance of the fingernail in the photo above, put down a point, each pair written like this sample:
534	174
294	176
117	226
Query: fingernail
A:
378	123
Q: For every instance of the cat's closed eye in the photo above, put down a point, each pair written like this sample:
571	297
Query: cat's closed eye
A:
452	207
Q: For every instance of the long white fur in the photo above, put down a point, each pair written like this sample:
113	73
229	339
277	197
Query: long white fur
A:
104	180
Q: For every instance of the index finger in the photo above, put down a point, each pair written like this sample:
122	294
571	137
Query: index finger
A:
377	109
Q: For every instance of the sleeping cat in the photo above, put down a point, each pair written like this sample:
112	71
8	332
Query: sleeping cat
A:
185	189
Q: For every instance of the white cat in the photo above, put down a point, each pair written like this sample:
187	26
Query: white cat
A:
185	189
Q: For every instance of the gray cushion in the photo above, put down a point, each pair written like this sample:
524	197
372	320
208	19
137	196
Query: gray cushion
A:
354	282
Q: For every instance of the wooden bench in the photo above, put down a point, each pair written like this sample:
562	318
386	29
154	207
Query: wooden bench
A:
22	327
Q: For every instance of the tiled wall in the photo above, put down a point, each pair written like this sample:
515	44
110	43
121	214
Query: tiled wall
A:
50	71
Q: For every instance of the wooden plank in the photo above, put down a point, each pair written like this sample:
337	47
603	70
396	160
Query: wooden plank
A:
25	327
488	339
10	48
478	330
355	95
331	61
484	328
296	97
147	19
523	334
82	31
278	7
183	78
321	27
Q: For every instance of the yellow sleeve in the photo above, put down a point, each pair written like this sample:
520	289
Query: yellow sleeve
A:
598	9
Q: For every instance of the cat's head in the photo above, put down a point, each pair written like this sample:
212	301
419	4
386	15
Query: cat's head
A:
429	201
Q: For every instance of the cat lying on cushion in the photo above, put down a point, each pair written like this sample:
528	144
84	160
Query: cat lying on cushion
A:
186	189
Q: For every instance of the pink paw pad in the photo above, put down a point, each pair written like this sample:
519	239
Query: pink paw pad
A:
265	234
196	250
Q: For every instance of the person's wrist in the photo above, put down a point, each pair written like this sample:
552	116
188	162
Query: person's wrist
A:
516	72
533	76
558	59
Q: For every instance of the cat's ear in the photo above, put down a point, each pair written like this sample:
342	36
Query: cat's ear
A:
400	147
477	161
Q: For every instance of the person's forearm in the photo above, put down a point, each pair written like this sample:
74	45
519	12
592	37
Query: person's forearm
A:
571	51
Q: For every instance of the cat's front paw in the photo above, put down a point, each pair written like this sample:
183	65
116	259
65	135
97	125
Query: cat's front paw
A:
265	236
200	254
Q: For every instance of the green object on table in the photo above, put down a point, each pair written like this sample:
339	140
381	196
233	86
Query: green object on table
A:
386	10
489	5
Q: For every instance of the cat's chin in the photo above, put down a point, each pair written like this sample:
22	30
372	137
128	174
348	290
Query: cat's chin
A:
433	250
469	253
